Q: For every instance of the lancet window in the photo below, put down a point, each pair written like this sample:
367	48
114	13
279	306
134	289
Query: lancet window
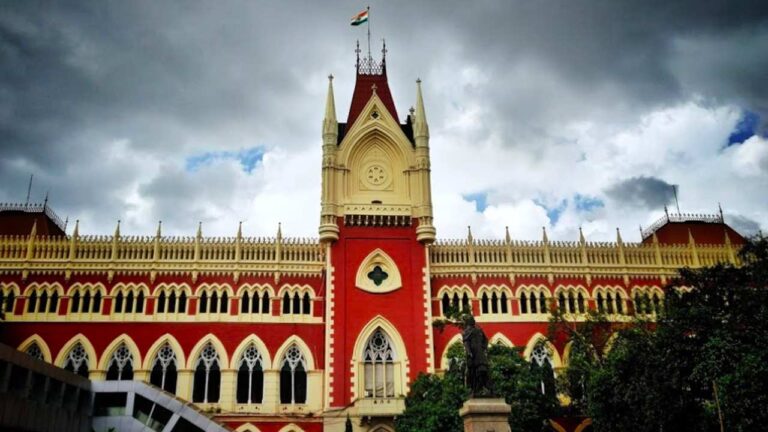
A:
254	302
213	300
379	366
164	369
42	300
34	351
129	300
295	302
493	300
572	300
647	301
77	360
250	377
293	377
85	299
171	301
455	301
207	381
610	301
533	300
120	364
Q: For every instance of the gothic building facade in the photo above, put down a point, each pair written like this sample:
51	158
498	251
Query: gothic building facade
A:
287	335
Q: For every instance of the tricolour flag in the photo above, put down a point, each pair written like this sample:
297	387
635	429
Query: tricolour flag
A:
360	18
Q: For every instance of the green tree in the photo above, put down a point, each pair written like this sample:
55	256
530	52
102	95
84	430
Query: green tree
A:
702	362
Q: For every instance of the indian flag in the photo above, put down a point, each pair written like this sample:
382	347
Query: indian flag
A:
360	18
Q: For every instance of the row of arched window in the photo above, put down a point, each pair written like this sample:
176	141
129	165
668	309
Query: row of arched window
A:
206	382
83	301
570	300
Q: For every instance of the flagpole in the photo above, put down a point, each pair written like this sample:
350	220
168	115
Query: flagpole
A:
368	9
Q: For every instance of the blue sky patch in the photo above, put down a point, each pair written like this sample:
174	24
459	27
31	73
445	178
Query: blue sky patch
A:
745	128
587	203
249	158
553	213
480	199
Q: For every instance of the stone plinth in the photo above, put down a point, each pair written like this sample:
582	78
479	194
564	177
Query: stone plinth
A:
485	415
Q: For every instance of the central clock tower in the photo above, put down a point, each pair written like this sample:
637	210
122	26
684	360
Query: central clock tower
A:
376	225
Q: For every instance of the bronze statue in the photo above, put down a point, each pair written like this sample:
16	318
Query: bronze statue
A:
476	347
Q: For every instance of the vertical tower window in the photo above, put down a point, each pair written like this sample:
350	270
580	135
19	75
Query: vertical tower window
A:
77	360
164	373
207	380
120	365
378	359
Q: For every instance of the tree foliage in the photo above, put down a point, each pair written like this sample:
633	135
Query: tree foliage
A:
704	358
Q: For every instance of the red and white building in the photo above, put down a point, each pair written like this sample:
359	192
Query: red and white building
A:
280	334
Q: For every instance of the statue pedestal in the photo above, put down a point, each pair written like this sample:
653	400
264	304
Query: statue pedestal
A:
485	415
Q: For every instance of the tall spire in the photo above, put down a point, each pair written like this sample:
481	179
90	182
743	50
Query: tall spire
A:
330	126
420	126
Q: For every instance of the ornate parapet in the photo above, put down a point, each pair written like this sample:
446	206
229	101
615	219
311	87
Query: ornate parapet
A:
160	255
555	258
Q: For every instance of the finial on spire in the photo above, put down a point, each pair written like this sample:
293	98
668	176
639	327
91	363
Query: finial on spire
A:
117	229
240	229
200	229
330	125
76	231
582	240
279	230
374	87
470	239
357	53
720	209
383	53
420	126
618	236
507	237
45	201
544	237
159	234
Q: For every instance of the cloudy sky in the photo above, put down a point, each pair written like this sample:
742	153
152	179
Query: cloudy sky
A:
542	113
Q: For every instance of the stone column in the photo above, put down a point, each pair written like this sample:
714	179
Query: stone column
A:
485	415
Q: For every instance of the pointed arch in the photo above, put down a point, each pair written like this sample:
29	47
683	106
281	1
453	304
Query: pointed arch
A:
247	427
61	357
292	427
380	322
255	340
385	264
149	358
400	356
583	425
110	349
382	428
444	358
87	286
540	338
610	342
303	347
502	339
37	340
194	353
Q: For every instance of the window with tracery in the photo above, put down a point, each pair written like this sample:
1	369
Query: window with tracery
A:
34	351
379	366
120	364
533	303
171	303
129	302
293	377
42	302
541	361
250	377
207	381
296	304
164	369
77	360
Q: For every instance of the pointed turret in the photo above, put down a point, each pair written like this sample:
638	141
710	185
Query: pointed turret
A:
420	126
240	230
470	239
582	240
117	230
330	125
159	232
618	237
199	234
507	237
544	237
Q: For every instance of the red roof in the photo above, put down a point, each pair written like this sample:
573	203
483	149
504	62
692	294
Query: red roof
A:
702	232
19	222
363	92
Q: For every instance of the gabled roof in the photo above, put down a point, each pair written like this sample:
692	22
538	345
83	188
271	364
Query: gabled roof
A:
18	219
364	90
705	229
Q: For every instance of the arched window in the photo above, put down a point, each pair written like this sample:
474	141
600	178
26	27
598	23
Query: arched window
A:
34	351
118	302
265	303
609	302
53	307
77	360
207	381
286	304
43	302
120	365
534	302
446	303
504	307
97	302
455	301
494	303
541	359
250	377
293	377
129	302
161	303
656	303
204	302
378	358
87	302
561	302
32	302
214	302
296	304
164	373
7	300
75	302
523	304
600	305
542	303
245	301
255	302
140	302
582	306
306	305
172	302
619	304
571	302
224	307
484	303
465	303
183	302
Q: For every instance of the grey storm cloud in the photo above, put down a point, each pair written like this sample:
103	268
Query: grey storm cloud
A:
647	192
172	79
742	224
